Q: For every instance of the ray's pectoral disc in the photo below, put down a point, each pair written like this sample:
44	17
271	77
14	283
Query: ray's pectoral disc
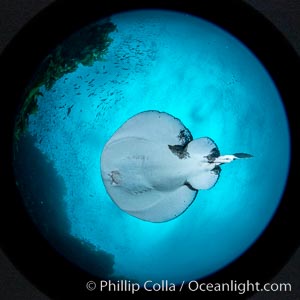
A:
152	168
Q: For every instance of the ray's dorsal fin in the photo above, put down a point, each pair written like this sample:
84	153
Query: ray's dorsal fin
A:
204	180
203	147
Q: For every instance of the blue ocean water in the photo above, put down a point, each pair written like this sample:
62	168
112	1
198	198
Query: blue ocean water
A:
197	72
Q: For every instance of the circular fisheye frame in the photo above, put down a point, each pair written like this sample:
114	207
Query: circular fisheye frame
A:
148	148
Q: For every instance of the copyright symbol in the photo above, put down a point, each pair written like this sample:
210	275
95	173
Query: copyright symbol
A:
91	286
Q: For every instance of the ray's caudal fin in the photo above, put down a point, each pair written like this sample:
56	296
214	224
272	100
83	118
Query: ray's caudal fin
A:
242	155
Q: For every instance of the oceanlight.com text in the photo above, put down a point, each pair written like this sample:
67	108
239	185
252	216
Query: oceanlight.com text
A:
239	287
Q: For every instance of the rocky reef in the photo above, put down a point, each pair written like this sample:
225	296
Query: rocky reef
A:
84	47
43	191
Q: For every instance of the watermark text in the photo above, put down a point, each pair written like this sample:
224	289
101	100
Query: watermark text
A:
192	286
